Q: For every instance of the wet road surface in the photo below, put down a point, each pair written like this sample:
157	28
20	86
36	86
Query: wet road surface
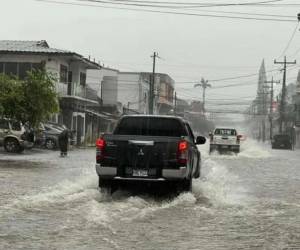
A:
249	201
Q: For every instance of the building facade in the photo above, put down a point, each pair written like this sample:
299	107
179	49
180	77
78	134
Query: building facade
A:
69	68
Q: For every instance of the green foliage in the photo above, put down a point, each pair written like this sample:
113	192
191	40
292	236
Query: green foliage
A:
32	100
10	96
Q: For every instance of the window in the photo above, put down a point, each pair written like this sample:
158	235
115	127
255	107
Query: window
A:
63	74
4	124
16	126
11	68
82	78
23	68
225	131
37	66
190	132
1	67
149	126
19	69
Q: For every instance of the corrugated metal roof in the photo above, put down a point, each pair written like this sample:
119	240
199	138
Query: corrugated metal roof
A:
40	47
29	47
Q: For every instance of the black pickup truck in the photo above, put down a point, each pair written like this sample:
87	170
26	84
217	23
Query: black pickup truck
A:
149	148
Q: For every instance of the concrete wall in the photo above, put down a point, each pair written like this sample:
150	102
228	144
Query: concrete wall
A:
95	77
133	91
109	91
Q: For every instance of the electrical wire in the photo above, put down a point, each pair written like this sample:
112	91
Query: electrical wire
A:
190	3
242	76
246	13
290	41
171	12
171	5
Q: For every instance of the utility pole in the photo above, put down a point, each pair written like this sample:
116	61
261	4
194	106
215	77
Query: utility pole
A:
152	84
283	91
271	105
204	84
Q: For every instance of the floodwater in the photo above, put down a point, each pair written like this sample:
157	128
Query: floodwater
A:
249	201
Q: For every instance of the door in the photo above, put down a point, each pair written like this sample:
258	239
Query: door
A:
4	129
70	79
194	149
80	127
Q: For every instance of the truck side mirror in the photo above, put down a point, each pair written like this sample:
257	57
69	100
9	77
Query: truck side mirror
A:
200	140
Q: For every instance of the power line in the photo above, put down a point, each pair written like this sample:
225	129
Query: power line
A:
170	12
290	40
171	5
247	13
238	77
194	3
242	76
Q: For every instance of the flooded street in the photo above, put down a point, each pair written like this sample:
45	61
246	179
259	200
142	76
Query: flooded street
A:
249	201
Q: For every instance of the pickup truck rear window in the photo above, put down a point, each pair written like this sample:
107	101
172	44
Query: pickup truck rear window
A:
150	127
221	131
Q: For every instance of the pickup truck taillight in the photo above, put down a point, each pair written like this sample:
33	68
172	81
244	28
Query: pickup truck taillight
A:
100	146
238	138
182	152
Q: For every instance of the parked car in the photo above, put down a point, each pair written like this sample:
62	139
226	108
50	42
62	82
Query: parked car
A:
49	133
225	140
282	141
14	137
149	149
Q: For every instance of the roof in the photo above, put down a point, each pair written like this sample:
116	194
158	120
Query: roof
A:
154	116
29	46
39	47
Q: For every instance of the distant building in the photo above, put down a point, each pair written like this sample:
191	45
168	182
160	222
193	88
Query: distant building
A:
296	101
133	92
164	91
259	109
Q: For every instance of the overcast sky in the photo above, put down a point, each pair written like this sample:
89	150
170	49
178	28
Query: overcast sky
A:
191	47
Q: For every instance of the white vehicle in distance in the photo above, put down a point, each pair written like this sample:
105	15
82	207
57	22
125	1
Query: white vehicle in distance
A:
225	140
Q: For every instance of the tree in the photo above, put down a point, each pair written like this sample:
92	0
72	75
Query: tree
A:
32	100
10	96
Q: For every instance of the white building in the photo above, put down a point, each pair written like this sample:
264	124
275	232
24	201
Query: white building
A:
120	92
69	68
95	79
133	91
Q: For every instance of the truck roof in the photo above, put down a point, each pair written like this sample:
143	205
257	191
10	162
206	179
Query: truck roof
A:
155	116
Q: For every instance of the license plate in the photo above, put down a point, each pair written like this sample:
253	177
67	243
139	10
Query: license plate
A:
140	173
224	146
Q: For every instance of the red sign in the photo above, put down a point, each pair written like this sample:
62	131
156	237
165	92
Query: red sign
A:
274	106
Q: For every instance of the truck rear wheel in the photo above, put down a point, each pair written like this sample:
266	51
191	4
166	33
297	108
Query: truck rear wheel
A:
185	185
107	186
197	172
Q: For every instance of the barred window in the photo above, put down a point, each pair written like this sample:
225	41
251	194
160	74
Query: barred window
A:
82	78
63	74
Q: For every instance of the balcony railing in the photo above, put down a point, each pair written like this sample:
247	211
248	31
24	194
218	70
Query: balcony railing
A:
71	89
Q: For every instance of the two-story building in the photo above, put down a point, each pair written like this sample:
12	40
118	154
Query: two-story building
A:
76	100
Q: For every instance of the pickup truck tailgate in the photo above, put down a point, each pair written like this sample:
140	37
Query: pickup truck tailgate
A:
224	139
142	157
